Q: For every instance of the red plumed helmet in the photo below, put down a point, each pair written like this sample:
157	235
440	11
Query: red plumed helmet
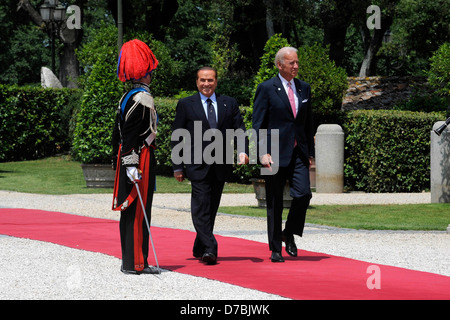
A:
136	60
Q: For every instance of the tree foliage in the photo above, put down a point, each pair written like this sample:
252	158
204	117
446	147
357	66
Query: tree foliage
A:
418	29
231	34
439	73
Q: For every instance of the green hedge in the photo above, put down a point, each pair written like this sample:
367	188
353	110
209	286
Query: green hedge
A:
35	122
165	108
388	151
385	150
92	141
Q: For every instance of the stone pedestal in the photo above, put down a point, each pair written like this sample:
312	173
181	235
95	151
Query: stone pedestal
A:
329	159
440	165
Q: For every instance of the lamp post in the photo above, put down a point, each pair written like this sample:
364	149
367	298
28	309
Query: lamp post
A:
53	14
119	25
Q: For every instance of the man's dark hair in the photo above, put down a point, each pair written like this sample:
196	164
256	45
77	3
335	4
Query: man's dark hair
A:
207	68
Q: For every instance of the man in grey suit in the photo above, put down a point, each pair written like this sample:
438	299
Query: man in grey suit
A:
284	103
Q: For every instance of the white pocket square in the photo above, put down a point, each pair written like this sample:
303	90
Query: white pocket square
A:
304	101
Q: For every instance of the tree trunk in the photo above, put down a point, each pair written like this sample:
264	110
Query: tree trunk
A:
69	66
269	19
372	43
368	66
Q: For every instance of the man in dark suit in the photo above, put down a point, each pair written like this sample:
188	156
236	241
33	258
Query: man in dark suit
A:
284	103
204	160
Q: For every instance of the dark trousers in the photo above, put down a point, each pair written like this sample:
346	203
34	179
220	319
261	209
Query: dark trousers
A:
134	237
297	173
205	200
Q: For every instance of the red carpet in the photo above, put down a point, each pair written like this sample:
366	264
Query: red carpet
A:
312	276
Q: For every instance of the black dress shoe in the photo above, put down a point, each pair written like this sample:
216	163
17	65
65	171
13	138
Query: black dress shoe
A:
146	270
209	258
134	272
276	257
291	248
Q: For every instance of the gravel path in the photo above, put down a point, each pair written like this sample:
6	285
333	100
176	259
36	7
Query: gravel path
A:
38	270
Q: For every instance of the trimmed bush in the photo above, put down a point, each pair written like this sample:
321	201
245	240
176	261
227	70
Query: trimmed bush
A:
93	132
388	151
35	122
165	107
267	67
328	81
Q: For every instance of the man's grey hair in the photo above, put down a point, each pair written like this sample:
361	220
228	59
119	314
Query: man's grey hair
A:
279	57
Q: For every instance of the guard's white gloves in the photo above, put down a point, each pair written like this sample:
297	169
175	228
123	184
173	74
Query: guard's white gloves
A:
133	174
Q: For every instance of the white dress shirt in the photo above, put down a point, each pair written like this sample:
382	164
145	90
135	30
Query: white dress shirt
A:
205	104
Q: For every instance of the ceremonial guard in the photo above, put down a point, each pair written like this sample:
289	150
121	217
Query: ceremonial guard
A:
134	144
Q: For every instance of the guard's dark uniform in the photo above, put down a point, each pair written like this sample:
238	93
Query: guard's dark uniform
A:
133	142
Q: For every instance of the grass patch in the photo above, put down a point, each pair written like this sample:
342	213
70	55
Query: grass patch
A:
369	217
56	175
61	175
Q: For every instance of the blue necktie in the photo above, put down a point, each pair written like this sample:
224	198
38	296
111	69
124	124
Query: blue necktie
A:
211	115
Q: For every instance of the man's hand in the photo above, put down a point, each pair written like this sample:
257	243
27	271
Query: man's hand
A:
243	158
266	161
179	176
134	174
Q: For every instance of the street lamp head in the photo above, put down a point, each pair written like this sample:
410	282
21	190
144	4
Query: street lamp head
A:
53	14
59	13
46	11
387	37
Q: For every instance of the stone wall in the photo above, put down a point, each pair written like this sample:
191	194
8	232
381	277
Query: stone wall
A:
380	92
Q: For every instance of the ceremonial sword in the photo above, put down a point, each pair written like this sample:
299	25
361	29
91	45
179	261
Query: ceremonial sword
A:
148	225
